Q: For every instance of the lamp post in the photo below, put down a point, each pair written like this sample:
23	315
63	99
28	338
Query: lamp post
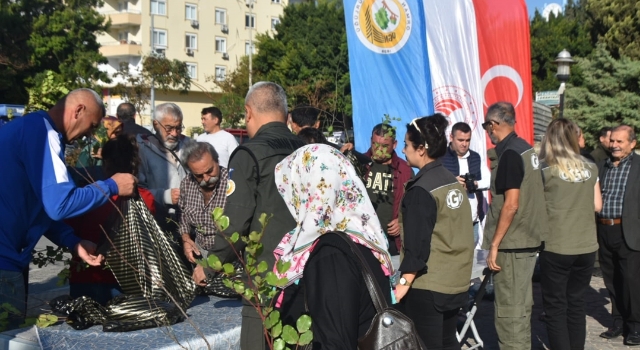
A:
564	63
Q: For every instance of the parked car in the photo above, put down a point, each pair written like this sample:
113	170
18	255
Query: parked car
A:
241	135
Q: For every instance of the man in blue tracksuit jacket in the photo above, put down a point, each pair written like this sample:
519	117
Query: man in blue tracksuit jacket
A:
36	191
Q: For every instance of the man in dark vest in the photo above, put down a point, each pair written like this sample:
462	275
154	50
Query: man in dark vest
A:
466	165
619	233
516	226
126	112
252	189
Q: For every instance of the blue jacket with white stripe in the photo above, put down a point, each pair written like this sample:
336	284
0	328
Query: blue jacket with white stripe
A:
36	191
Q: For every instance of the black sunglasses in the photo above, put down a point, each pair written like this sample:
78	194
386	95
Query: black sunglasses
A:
486	124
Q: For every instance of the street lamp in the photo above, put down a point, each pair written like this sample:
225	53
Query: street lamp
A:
564	63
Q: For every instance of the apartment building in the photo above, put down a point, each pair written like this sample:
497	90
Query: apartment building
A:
209	35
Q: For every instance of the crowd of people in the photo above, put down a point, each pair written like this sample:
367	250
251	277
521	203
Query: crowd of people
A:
416	231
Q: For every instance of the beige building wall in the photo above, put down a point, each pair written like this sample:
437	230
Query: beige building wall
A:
219	35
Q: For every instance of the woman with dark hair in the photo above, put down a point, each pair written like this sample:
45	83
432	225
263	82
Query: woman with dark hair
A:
119	155
437	236
572	195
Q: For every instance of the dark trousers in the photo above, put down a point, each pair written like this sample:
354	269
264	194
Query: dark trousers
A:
620	266
437	329
564	279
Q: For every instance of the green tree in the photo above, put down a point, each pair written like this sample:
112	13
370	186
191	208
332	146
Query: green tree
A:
550	37
165	74
608	95
37	36
616	23
308	57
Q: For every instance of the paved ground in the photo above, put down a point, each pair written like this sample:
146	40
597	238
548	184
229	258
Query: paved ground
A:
598	319
42	288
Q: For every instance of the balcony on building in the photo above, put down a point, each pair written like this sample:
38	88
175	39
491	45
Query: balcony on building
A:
125	18
121	48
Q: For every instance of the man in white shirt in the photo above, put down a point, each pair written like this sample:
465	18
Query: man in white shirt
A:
223	142
466	165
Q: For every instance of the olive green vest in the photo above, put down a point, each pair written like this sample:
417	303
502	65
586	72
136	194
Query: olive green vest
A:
570	210
529	226
451	254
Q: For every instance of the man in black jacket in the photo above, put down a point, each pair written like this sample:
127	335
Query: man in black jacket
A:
252	189
126	112
619	234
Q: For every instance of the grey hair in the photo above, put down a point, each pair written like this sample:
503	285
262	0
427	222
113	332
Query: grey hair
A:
629	129
267	97
167	109
503	112
97	99
194	151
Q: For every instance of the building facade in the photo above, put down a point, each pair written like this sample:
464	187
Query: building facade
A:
209	36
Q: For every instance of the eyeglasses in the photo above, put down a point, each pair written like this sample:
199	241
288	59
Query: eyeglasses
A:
486	124
170	129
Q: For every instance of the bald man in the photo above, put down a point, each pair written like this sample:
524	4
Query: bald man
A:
36	191
252	189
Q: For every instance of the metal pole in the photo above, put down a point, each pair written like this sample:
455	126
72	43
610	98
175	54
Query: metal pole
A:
251	22
561	93
153	52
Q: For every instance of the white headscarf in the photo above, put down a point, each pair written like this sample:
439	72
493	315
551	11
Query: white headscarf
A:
324	193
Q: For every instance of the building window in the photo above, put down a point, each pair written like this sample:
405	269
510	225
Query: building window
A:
250	20
221	45
190	12
221	16
192	70
221	73
274	21
159	7
248	48
192	41
275	1
123	6
159	38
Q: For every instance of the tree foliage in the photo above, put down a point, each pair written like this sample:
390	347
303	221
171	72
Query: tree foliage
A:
37	36
163	73
609	94
308	57
615	23
233	89
548	38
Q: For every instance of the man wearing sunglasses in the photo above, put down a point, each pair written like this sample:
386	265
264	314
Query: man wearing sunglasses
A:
516	223
160	168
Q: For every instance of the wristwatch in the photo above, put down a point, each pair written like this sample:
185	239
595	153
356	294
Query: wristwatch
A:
403	281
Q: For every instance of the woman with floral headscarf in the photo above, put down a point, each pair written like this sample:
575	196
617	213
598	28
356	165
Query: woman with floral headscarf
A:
324	194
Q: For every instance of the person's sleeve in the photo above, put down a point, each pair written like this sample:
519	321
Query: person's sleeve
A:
419	219
185	228
241	203
148	199
485	181
49	177
62	234
232	144
510	172
161	195
337	314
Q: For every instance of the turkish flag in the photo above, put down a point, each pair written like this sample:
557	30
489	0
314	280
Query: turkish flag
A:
505	63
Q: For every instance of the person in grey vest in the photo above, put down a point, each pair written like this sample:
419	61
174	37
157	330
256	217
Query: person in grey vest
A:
437	249
252	189
516	225
572	195
619	234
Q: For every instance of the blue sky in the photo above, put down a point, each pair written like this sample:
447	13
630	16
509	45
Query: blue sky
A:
539	4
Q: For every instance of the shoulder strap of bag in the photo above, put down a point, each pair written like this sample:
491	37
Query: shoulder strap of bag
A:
372	285
255	160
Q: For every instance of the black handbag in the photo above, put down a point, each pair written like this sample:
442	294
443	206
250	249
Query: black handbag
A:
390	329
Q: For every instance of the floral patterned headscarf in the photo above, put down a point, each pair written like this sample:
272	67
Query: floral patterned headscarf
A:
324	193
